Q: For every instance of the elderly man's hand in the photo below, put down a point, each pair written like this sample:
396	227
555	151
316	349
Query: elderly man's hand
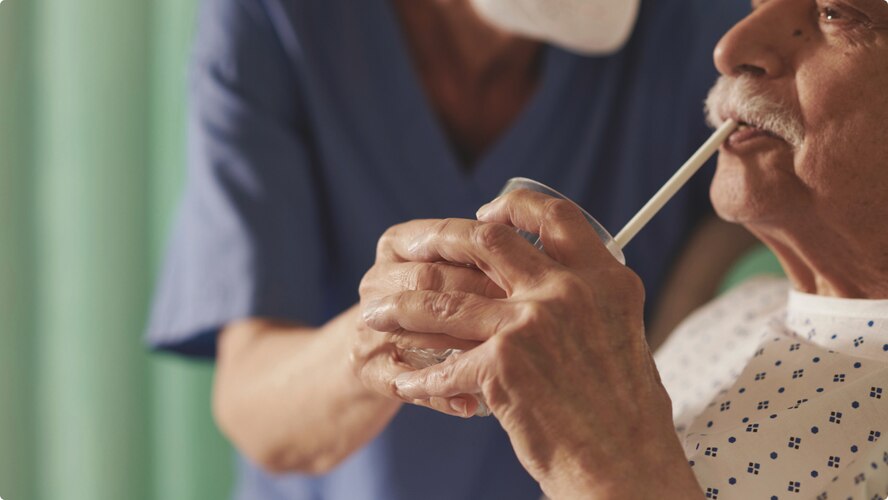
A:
377	358
564	364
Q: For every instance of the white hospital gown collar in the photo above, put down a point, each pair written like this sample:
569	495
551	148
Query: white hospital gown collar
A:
801	302
824	320
779	394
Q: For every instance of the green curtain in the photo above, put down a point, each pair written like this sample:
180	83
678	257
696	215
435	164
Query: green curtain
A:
759	261
92	116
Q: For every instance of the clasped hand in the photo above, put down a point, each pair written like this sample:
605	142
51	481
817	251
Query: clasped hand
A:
553	341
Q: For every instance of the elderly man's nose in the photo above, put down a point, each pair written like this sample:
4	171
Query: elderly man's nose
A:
747	49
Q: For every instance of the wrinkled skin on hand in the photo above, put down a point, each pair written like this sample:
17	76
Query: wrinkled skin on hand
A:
377	357
563	361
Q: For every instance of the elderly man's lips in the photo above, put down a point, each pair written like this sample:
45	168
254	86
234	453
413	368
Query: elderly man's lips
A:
747	136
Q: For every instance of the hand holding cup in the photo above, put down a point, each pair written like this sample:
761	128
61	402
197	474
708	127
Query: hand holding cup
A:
562	361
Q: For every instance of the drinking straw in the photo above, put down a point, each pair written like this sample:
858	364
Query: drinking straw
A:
655	204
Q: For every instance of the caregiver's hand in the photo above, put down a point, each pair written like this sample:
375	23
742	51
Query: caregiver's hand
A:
564	367
376	357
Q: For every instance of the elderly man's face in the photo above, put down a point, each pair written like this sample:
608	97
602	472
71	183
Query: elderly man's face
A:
822	70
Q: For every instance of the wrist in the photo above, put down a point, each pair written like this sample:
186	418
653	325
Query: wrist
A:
660	471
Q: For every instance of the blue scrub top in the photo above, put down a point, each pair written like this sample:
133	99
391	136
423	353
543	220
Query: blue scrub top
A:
310	134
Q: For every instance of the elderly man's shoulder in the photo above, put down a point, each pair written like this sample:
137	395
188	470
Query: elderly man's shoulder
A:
713	345
733	320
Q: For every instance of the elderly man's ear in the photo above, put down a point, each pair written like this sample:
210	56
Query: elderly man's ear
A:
583	26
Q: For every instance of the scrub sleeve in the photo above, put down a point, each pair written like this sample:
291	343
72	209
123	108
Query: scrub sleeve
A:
248	240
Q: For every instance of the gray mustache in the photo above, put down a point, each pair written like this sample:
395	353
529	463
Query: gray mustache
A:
742	99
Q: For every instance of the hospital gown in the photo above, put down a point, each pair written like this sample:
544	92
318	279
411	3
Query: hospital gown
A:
779	394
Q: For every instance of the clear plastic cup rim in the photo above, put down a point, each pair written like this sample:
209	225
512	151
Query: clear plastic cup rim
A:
603	233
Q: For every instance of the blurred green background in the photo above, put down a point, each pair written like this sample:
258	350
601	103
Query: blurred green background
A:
92	111
91	163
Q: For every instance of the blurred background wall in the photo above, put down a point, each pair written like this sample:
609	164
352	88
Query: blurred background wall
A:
91	162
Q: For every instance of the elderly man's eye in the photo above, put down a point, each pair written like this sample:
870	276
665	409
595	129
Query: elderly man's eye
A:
830	14
840	14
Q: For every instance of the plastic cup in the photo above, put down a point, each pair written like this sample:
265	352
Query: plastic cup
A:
517	183
423	358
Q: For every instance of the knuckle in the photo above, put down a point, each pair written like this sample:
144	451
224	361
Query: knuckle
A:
380	315
558	210
440	378
384	244
397	301
442	226
493	237
426	277
444	305
366	285
570	286
397	338
531	315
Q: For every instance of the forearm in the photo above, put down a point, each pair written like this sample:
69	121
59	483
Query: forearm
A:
287	397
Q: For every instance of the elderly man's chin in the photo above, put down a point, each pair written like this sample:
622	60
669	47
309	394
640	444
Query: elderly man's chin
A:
754	185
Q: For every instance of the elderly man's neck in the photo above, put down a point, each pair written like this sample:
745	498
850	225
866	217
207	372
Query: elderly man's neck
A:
831	264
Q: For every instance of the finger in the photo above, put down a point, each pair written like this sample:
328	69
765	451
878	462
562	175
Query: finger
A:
379	373
457	314
389	248
394	242
463	405
440	276
406	340
566	234
454	377
497	250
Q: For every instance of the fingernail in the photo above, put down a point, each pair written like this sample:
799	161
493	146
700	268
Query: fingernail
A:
485	209
370	309
403	385
458	405
414	246
402	381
